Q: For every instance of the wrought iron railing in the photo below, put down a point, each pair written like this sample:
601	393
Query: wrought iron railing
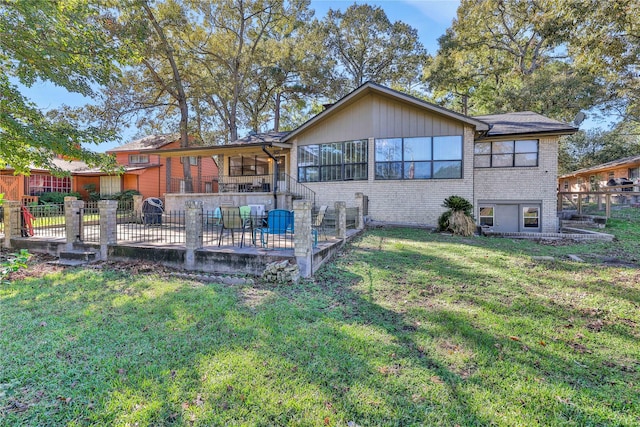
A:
203	184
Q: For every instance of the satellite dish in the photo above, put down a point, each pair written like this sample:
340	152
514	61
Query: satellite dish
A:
579	118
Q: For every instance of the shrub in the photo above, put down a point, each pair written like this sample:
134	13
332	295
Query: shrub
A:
457	218
13	262
55	197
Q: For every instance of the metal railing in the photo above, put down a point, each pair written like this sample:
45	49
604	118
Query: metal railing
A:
90	223
203	184
161	228
246	184
47	220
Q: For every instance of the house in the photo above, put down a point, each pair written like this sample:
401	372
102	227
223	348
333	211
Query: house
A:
39	181
621	171
150	174
406	156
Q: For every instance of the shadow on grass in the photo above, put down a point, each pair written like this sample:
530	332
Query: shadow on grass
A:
408	337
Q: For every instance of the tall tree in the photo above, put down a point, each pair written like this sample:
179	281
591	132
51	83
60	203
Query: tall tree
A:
503	55
61	42
368	47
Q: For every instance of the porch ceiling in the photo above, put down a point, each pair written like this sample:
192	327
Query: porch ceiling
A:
218	149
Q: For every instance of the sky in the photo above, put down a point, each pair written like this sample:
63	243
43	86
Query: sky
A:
430	17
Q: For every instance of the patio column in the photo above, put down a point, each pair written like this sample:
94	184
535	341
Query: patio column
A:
193	231
360	214
108	226
302	240
341	220
12	216
137	205
72	207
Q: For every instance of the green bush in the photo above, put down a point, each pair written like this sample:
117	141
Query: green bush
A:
55	197
458	218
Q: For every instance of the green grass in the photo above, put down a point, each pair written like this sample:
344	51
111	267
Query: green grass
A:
405	328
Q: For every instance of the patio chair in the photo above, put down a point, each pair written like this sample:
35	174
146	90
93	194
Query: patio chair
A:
231	221
279	222
318	225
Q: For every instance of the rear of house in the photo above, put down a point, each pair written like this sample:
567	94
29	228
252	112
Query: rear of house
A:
407	156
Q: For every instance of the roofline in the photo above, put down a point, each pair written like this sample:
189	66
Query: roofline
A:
536	134
374	87
599	168
213	149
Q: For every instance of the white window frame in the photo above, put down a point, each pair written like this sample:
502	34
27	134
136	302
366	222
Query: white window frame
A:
524	217
136	159
110	185
492	216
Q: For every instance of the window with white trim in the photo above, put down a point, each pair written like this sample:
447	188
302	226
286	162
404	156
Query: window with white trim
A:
138	159
109	185
41	183
506	154
531	217
486	216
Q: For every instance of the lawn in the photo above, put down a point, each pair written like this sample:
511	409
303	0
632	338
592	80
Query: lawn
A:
405	328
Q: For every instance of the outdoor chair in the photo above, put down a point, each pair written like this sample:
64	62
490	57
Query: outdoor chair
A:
279	223
231	221
318	225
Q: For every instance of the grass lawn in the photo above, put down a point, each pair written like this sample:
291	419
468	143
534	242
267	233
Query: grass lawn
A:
405	328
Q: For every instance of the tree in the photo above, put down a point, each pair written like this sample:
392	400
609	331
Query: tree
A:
368	47
593	147
502	55
63	43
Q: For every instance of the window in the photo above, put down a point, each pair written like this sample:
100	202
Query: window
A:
611	175
486	216
531	217
565	185
506	154
419	158
634	173
337	161
248	165
193	160
138	158
109	185
39	184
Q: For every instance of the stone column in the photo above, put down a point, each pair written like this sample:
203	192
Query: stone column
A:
12	221
341	220
108	226
72	208
303	241
193	230
137	205
360	214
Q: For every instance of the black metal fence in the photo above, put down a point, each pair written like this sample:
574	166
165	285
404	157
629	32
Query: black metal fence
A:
46	220
163	228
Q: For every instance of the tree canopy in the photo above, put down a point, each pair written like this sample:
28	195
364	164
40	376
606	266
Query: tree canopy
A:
62	43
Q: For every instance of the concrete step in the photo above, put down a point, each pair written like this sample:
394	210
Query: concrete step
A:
78	255
69	262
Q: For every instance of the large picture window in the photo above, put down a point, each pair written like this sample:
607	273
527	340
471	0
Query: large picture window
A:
506	154
248	165
438	157
39	184
337	161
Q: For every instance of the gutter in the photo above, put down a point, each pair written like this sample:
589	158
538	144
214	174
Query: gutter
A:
275	175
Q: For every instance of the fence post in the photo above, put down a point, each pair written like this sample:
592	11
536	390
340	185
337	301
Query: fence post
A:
108	226
341	220
137	205
608	206
303	241
360	214
11	221
193	231
72	207
579	203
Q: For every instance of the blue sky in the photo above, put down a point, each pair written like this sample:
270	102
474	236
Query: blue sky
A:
430	17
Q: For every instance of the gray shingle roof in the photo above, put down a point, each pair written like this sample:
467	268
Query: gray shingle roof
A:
260	138
151	142
523	122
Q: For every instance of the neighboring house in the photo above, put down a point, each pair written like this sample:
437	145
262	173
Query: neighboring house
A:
21	187
406	156
152	175
597	177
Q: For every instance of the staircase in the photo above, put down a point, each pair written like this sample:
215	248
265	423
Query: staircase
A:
76	257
